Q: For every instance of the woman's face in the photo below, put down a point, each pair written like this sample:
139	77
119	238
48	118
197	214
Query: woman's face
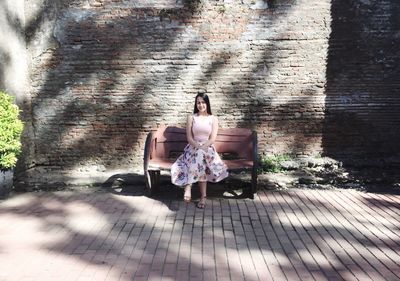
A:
201	105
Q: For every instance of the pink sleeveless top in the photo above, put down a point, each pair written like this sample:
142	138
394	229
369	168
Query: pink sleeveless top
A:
201	127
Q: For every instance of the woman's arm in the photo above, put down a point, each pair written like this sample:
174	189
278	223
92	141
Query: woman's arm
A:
189	134
214	133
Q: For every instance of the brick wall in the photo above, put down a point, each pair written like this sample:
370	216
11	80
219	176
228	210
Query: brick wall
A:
104	72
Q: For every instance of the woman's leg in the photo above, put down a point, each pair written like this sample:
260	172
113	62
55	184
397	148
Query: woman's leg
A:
187	196
203	194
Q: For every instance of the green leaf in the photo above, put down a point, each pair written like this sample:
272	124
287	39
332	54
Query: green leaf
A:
11	128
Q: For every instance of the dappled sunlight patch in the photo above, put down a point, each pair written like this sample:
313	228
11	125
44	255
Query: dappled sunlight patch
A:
101	234
86	221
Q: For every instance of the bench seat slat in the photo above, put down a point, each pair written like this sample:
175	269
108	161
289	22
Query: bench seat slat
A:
219	138
173	137
166	164
234	131
227	138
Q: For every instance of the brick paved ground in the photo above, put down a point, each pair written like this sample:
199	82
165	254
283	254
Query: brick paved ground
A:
296	235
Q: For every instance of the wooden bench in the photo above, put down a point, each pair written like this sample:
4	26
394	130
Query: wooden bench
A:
236	146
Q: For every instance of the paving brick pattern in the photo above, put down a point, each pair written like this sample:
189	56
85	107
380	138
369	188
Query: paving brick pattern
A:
295	235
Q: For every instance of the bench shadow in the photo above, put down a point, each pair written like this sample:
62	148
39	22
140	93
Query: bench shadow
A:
233	187
130	184
133	184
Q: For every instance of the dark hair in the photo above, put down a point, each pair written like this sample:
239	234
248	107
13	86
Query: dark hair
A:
206	99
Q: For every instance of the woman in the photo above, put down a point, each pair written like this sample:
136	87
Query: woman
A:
199	161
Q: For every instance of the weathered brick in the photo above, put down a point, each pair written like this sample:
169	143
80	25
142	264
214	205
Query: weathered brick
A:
312	77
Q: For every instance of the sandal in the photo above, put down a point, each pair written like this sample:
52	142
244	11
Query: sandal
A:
202	203
187	198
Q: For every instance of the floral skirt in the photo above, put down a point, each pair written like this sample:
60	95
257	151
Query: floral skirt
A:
196	165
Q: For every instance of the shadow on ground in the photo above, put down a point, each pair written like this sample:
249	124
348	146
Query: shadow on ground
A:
131	184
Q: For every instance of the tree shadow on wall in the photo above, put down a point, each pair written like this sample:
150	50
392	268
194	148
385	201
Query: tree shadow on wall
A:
14	24
74	114
87	68
362	108
4	60
269	106
83	114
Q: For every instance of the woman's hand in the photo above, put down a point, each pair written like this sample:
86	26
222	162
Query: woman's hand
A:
203	147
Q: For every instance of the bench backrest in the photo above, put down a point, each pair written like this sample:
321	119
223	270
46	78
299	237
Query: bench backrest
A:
231	143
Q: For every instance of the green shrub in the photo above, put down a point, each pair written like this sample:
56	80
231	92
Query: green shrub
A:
10	132
273	164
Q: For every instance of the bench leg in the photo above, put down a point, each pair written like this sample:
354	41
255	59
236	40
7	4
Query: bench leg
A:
155	179
247	193
147	180
158	176
152	178
253	188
